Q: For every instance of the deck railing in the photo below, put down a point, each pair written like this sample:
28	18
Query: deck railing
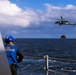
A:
46	68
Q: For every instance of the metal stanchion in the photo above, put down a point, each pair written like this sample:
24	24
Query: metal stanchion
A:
46	62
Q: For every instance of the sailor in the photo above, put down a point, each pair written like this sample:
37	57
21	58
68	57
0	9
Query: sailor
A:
14	55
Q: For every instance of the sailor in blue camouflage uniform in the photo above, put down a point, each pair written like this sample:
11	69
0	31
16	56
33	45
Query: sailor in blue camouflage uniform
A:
14	55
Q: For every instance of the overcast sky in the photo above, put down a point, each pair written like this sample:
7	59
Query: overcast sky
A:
36	18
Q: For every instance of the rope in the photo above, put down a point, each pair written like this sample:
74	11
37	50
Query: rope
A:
61	59
38	57
41	57
57	72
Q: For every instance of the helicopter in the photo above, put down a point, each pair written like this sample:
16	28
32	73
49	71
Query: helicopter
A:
64	22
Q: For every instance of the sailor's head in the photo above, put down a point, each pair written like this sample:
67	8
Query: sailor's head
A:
9	39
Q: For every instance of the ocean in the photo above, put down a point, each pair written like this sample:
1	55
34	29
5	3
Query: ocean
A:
61	53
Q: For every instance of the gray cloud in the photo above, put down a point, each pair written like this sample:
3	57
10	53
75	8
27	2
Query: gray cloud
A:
12	15
14	19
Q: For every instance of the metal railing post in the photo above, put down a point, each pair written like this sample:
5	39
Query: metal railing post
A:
47	64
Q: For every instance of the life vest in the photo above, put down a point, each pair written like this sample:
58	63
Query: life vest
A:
11	54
